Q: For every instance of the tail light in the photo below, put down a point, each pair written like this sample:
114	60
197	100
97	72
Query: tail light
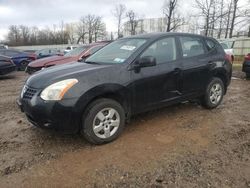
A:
32	57
228	57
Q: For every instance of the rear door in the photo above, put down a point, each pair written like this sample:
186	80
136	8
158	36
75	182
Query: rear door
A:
195	62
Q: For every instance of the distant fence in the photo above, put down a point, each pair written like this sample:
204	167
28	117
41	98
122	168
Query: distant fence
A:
39	47
241	46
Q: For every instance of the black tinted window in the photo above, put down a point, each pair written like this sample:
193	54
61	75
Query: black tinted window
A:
210	44
191	46
163	50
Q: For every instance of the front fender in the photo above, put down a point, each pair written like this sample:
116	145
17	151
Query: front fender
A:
115	90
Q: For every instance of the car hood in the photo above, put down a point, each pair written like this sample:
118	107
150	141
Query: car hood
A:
50	60
51	75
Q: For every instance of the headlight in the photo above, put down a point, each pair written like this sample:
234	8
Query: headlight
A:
56	91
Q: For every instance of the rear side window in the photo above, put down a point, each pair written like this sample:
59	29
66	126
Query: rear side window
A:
163	50
191	46
210	44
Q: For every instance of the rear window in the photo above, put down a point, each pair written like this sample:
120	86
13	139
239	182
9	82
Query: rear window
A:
210	44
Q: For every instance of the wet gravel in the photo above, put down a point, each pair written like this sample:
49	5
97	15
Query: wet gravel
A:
179	146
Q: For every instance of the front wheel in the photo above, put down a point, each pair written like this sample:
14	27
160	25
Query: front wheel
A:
103	121
23	65
214	94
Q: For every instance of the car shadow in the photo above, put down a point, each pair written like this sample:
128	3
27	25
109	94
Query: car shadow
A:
55	138
7	77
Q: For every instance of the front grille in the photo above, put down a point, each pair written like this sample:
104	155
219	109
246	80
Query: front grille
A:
29	93
32	70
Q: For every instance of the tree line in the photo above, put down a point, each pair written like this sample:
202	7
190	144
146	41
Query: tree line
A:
215	18
90	28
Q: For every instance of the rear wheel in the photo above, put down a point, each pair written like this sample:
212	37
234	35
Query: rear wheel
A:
23	65
248	75
103	121
214	94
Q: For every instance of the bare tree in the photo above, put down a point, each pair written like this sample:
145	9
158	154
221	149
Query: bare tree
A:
235	7
99	28
228	19
133	21
205	7
14	35
81	30
90	20
119	13
24	34
174	20
70	29
221	2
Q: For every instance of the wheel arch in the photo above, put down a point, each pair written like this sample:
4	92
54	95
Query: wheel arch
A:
221	74
111	91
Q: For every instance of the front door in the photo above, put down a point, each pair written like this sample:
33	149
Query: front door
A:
158	84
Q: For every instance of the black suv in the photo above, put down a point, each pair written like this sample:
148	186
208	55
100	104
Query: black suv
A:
128	76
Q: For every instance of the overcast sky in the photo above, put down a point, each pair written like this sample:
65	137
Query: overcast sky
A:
44	13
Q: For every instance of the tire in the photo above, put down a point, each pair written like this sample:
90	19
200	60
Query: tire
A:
247	75
103	121
214	94
23	65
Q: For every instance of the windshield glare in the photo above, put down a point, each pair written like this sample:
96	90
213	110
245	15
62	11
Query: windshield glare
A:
117	52
76	51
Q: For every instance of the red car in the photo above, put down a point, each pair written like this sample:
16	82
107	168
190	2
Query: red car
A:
77	54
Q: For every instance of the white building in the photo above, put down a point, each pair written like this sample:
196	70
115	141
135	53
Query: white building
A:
147	25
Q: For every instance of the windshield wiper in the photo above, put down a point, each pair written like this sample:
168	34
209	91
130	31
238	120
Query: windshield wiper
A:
91	62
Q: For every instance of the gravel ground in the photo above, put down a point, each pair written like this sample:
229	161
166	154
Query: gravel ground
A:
179	146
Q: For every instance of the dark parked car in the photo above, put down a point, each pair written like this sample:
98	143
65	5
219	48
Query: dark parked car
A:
21	59
48	52
126	77
6	65
77	54
246	65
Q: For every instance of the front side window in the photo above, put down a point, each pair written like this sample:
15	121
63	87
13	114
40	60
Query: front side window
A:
191	46
117	52
163	50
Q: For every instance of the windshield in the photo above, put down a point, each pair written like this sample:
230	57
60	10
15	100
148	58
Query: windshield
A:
116	52
76	51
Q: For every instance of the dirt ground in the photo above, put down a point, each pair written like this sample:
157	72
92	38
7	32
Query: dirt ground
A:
179	146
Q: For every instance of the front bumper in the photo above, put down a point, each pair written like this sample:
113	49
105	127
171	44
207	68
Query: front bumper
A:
7	69
58	115
246	67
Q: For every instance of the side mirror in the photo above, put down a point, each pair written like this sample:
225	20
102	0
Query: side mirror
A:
147	61
80	59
